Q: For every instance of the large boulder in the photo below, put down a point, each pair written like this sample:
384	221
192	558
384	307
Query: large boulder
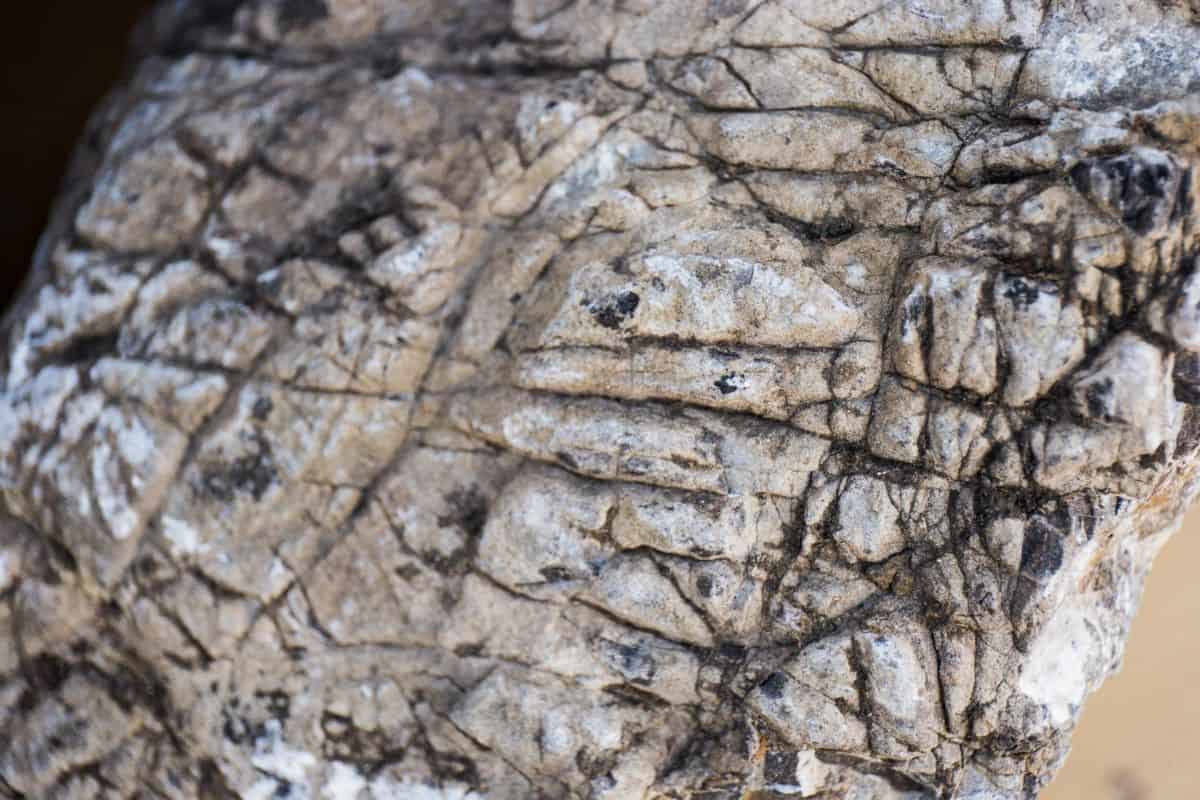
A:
693	399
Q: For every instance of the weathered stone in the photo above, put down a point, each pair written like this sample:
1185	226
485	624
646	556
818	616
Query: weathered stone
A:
667	400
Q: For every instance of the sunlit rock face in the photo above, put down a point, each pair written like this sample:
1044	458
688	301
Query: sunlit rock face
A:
692	400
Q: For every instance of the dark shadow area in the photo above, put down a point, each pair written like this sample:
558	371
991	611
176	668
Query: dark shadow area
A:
58	58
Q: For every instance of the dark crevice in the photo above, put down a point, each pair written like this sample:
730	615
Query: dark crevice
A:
83	351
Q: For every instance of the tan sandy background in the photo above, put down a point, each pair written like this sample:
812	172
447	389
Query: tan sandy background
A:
1138	736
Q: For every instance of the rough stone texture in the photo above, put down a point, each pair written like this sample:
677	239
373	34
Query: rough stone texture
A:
519	399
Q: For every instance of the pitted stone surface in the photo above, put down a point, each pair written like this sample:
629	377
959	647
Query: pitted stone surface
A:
681	400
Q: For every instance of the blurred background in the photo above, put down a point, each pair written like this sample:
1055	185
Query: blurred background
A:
59	57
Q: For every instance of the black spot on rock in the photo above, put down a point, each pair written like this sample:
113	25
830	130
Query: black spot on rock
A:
612	311
278	703
85	350
1021	293
1187	378
456	768
138	684
816	230
636	664
1187	263
1097	397
212	782
387	64
44	674
407	572
1188	440
911	312
147	566
1081	177
1183	198
377	195
774	685
705	585
731	652
832	228
186	23
302	13
595	765
554	574
466	510
727	383
469	511
251	474
1136	188
1002	175
722	9
469	650
1042	550
262	408
780	767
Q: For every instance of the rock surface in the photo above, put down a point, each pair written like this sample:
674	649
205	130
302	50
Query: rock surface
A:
693	399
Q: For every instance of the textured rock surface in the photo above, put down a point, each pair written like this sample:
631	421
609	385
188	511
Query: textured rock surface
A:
699	399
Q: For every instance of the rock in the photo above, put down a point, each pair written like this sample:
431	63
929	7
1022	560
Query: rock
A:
868	521
804	716
672	400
